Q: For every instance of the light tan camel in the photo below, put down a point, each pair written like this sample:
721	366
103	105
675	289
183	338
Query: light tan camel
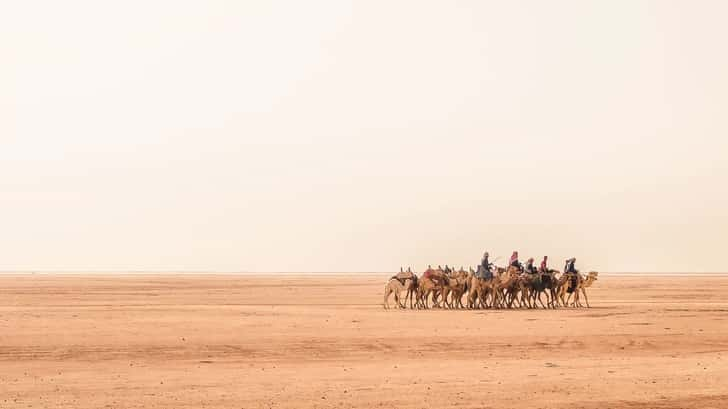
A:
584	283
403	281
563	283
395	287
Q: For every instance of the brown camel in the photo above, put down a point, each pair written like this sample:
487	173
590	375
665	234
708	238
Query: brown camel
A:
480	289
455	288
431	282
501	285
533	286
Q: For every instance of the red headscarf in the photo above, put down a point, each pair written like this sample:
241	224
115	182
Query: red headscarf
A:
514	257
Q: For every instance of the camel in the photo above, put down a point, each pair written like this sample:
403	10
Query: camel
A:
480	288
563	283
431	282
455	287
550	282
583	284
523	286
532	286
552	285
501	284
404	281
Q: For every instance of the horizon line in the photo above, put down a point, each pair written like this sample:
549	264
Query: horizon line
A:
244	272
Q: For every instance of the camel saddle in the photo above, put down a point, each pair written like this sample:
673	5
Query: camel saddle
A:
403	276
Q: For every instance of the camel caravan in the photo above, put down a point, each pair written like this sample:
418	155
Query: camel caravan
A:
489	286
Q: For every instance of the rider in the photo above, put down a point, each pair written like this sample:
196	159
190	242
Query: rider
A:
572	272
514	261
570	267
485	266
544	268
484	262
529	268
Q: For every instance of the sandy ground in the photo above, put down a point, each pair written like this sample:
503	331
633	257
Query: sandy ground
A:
324	341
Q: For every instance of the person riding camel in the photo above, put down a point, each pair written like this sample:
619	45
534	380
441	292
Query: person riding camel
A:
514	261
543	269
485	262
544	273
485	265
570	267
529	267
572	272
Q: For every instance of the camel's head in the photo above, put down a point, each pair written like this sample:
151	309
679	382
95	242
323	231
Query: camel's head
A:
592	276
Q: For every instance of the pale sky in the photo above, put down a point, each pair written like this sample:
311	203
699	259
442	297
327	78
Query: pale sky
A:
362	135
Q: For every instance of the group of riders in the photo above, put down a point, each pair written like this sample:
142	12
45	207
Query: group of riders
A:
486	267
500	285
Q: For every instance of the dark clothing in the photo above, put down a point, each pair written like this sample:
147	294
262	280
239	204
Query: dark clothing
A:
570	268
484	273
485	263
530	269
573	281
515	263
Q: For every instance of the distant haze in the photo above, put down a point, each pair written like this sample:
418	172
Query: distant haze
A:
361	136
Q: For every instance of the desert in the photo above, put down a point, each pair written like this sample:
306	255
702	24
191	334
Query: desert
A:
324	340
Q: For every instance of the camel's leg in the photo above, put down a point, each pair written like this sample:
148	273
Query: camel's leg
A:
512	298
523	299
578	298
583	291
402	305
541	301
549	300
445	303
387	291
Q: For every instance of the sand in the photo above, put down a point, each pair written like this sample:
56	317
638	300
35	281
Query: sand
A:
241	341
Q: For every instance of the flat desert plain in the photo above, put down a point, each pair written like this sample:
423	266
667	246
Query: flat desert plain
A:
320	341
